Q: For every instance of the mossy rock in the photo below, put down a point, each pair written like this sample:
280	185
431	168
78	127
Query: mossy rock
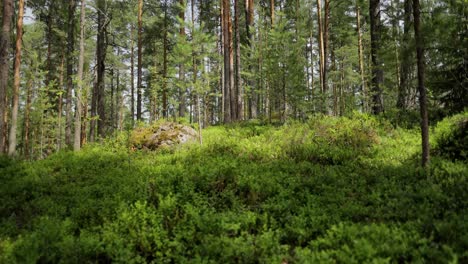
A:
162	135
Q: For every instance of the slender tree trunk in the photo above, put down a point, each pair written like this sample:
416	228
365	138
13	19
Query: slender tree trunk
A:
253	98
322	58
14	112
326	26
112	96
70	58
101	67
227	32
93	110
60	104
182	91
132	74
4	67
405	67
165	47
272	12
238	80
421	88
361	59
140	59
79	78
377	71
27	119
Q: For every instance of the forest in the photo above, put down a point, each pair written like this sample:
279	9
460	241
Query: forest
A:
228	131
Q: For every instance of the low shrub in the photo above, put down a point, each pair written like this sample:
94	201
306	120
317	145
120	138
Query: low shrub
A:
451	137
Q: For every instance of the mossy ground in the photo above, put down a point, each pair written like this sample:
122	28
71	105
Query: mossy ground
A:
346	190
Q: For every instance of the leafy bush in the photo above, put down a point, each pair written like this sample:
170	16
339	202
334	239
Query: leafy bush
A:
451	137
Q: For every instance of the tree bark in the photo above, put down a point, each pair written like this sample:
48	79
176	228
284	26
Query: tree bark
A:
101	67
27	119
238	80
377	71
132	74
253	99
227	32
78	91
421	88
165	47
70	58
16	87
182	91
140	59
406	65
361	59
4	48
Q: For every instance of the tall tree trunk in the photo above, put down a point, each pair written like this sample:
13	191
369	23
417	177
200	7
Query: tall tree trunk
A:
93	110
140	59
377	71
406	65
70	58
238	80
165	47
60	104
249	23
14	112
361	58
421	88
112	95
322	58
101	67
4	67
79	78
27	119
132	74
227	32
272	12
182	91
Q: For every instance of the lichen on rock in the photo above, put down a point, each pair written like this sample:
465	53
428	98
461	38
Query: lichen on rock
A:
162	135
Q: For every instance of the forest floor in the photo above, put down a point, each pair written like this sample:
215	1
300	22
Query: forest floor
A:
331	190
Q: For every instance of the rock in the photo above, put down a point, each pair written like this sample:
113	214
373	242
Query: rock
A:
162	135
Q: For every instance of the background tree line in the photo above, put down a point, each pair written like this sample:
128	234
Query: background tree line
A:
84	69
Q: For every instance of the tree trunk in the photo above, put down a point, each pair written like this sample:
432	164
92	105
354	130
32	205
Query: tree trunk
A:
70	58
182	91
253	99
227	32
132	74
14	112
140	59
60	104
238	80
361	59
272	12
164	84
377	71
78	91
421	88
322	58
4	48
27	119
406	65
101	67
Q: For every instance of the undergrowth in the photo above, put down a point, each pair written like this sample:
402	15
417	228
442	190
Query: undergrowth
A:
332	190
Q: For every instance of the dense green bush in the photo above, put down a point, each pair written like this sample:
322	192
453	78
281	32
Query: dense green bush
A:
451	137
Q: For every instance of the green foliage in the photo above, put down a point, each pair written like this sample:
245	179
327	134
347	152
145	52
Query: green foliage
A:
359	243
345	190
451	137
